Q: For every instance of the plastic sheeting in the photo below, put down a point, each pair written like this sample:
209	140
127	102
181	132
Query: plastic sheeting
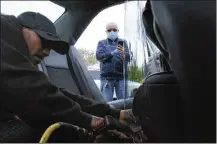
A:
144	54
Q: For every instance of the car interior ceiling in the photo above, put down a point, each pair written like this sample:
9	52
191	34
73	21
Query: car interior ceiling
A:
183	113
78	15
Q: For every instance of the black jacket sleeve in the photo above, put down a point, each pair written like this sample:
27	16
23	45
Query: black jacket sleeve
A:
26	92
91	106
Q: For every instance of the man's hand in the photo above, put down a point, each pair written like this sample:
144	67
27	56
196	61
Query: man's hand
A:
126	117
119	134
96	122
115	52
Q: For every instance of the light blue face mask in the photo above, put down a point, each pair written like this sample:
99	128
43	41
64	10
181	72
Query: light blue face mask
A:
112	35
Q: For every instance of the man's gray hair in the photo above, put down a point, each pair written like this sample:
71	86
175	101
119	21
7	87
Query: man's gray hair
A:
111	25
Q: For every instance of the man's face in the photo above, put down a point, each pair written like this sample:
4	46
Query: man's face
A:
38	47
111	27
112	31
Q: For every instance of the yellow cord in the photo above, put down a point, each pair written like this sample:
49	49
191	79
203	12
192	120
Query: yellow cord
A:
48	132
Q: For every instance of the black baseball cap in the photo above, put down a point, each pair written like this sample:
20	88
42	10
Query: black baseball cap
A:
45	28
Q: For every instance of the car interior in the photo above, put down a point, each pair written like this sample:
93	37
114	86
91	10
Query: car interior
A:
176	104
68	71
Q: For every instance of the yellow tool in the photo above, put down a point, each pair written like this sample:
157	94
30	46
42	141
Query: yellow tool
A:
49	131
81	131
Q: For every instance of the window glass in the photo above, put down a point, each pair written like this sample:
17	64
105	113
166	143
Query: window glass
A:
47	8
87	43
135	33
143	53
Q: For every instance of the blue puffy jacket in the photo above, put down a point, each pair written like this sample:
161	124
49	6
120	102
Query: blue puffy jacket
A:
111	66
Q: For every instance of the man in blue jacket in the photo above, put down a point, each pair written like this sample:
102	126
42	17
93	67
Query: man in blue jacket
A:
113	60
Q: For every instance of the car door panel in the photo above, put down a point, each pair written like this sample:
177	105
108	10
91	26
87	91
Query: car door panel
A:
122	104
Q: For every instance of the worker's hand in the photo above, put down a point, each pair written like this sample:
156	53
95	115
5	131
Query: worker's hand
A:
96	122
120	49
119	134
112	136
126	117
115	52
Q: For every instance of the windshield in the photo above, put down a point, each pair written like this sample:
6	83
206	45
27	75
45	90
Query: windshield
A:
47	8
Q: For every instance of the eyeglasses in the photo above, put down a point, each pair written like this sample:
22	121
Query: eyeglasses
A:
114	30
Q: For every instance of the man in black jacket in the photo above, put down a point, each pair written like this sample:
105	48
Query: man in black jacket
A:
27	92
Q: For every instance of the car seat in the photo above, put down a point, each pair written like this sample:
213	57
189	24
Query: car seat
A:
179	106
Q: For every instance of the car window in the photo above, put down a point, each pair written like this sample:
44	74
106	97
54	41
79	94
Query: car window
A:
128	17
95	31
153	61
135	33
47	8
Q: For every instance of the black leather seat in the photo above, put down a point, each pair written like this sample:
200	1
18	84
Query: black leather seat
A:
159	100
159	97
15	131
85	81
185	32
